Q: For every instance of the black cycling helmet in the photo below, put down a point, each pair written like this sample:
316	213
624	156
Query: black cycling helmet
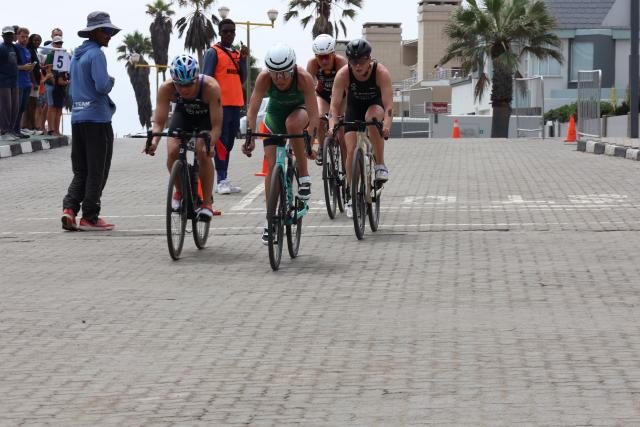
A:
358	48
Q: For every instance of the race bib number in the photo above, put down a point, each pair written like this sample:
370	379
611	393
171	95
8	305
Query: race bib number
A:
61	61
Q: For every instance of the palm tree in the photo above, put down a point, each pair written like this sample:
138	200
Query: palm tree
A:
321	14
133	48
160	29
200	29
502	32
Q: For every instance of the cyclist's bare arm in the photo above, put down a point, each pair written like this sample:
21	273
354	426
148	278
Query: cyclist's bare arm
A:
312	68
383	77
305	83
337	95
161	114
213	94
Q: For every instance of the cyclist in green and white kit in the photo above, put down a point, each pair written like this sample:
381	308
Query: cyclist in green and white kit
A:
292	108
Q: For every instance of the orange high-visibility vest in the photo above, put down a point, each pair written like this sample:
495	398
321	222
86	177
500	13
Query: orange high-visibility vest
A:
228	76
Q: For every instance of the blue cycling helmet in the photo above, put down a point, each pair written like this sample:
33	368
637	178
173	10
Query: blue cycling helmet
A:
184	69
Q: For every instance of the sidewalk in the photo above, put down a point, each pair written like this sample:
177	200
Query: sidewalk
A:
34	143
627	148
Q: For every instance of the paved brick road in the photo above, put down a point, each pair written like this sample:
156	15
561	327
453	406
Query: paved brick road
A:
501	289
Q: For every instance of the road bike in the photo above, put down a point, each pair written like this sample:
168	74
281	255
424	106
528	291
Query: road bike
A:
183	178
366	193
333	173
285	209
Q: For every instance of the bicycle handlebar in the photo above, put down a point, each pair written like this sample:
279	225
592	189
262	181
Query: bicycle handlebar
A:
304	134
360	125
176	133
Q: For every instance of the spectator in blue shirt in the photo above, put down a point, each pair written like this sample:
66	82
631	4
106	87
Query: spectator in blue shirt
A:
25	67
91	131
8	84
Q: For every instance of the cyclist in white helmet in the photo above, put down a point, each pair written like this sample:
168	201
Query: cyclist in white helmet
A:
324	68
292	108
198	107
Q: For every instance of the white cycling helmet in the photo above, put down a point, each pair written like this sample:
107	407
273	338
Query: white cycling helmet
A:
324	44
280	57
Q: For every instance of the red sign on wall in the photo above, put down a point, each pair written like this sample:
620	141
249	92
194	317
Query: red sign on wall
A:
436	107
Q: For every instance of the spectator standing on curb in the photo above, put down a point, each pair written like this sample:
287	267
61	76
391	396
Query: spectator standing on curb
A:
55	86
228	66
30	117
8	84
25	68
92	134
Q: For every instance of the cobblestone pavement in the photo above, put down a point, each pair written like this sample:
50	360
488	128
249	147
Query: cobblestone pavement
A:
501	289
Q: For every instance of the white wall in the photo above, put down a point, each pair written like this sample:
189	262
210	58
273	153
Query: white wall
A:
463	102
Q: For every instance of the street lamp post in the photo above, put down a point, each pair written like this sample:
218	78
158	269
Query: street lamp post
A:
273	15
633	68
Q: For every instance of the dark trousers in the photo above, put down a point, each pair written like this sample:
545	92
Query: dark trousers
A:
9	104
23	100
91	150
230	126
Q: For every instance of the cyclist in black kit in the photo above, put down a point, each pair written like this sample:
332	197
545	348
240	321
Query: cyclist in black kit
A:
198	107
369	95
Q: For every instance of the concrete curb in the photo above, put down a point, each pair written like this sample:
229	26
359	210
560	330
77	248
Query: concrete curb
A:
31	145
609	149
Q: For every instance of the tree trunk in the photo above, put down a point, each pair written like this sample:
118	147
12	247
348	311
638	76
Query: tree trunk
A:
501	96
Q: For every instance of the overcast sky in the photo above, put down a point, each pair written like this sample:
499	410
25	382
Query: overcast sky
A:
41	16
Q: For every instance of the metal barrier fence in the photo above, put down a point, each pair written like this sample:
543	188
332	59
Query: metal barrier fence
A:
589	93
420	111
528	95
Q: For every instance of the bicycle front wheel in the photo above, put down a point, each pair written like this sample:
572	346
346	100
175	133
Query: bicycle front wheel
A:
176	218
358	188
329	178
294	226
276	215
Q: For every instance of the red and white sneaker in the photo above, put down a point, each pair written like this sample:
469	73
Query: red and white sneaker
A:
69	220
176	201
99	225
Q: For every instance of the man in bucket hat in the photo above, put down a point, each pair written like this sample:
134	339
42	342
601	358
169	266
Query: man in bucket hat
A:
92	134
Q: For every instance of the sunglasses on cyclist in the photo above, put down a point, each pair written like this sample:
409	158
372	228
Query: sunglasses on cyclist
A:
227	31
108	31
324	57
359	61
281	75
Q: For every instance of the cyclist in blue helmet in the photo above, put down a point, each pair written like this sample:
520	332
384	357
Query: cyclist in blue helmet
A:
197	108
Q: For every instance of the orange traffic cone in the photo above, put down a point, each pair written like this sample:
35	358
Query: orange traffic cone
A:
571	133
265	168
456	129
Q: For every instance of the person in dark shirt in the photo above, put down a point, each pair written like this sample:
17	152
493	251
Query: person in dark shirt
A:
8	84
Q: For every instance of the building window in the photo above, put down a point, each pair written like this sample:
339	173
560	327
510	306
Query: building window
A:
545	67
581	58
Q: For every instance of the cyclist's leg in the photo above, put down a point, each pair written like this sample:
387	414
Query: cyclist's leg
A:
296	123
377	112
173	147
269	152
323	108
205	170
350	139
343	145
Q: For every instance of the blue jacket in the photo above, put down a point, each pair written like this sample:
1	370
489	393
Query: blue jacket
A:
90	85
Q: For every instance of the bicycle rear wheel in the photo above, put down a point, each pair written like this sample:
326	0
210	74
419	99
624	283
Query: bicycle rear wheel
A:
176	219
329	178
276	214
294	226
358	189
200	228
